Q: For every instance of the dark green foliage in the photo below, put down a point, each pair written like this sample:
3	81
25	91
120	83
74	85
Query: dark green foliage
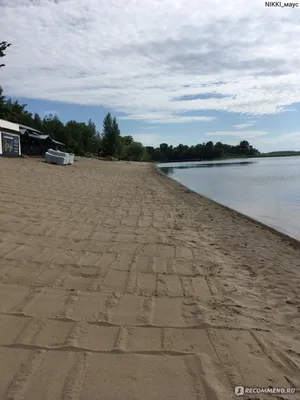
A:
204	151
3	47
281	153
78	137
127	140
111	140
135	152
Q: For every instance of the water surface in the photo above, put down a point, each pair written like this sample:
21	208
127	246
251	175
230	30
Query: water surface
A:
267	189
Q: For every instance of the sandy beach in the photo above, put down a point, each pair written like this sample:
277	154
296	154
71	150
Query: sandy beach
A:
117	283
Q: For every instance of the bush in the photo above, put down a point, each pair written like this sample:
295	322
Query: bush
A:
135	151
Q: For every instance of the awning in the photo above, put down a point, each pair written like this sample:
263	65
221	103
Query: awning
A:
56	142
40	137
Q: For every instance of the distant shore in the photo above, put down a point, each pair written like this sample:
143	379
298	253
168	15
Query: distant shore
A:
234	157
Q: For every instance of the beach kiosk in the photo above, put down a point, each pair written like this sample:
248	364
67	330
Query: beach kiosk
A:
10	145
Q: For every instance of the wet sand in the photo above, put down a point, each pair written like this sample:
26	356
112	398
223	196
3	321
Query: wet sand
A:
118	283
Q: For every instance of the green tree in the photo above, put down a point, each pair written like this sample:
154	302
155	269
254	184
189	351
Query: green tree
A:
111	136
3	106
15	112
164	151
136	151
52	126
127	140
3	47
116	128
107	147
119	144
73	131
244	147
88	134
37	122
97	143
149	153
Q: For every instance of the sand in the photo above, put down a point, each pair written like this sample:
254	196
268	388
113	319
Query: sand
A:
118	283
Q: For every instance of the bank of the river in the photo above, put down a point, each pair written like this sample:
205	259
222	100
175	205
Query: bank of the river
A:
231	158
266	189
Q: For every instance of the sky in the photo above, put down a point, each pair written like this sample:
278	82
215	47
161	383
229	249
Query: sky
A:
171	71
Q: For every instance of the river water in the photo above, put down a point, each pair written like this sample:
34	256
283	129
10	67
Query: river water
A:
266	189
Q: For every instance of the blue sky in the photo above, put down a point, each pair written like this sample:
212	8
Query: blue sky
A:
169	70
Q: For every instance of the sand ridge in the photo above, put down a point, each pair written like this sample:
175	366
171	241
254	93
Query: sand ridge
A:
118	283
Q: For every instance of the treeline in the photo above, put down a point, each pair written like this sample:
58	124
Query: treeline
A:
84	139
204	151
281	154
80	138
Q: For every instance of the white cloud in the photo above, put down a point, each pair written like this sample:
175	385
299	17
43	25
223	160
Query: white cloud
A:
287	138
147	139
156	117
243	126
237	134
155	139
136	57
284	142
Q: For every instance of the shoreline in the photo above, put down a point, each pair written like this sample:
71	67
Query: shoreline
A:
114	270
228	158
295	242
